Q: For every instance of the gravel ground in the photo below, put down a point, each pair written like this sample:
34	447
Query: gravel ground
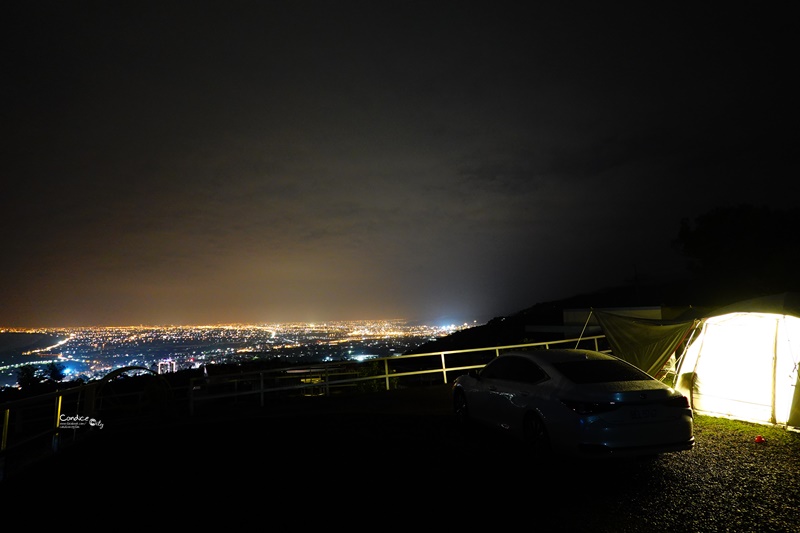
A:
407	445
728	482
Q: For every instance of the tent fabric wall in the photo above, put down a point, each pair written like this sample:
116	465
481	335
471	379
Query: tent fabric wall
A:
645	343
744	362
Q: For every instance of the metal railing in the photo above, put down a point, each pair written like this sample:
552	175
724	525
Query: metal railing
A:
32	427
36	426
375	374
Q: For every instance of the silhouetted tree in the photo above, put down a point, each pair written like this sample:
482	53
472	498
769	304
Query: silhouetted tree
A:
755	249
54	371
26	377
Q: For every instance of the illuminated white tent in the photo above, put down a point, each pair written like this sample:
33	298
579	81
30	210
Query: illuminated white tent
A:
743	364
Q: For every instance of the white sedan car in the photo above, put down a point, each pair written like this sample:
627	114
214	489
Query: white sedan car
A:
577	402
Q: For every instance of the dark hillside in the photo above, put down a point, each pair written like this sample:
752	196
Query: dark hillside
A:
684	299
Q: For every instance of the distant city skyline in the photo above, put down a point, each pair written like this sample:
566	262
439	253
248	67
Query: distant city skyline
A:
441	322
92	352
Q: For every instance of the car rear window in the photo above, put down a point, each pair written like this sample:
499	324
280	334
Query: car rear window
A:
599	371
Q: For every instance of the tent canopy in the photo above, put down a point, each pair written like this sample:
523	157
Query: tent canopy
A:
739	361
643	342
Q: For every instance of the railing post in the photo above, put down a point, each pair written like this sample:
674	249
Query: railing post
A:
191	396
3	443
386	372
444	368
90	398
57	423
4	438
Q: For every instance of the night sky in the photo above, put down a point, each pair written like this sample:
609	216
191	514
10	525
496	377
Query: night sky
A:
217	162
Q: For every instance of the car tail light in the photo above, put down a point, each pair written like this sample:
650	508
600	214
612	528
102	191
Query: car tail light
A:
589	408
680	402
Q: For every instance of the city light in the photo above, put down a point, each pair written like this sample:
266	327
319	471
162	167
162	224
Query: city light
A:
91	352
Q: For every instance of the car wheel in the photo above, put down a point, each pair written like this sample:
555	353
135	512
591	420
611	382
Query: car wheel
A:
460	407
534	433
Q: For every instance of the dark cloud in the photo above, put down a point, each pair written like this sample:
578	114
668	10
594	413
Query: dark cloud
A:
208	162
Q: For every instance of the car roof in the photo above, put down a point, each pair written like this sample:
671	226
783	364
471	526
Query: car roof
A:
556	355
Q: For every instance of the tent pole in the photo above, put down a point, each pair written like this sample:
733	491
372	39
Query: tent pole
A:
588	318
679	359
772	418
697	362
